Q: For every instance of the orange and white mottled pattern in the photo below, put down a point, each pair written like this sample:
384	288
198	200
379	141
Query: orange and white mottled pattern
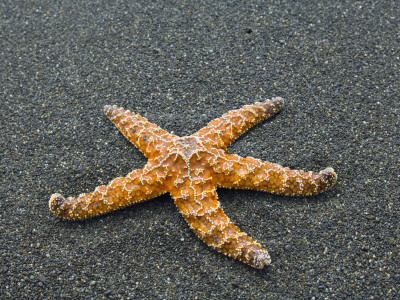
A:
190	168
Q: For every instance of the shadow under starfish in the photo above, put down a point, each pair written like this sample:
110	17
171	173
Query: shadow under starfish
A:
190	168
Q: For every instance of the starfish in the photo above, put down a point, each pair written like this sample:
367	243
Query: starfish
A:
190	168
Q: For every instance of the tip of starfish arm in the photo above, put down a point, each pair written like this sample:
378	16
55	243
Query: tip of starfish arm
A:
261	259
56	200
277	102
329	176
109	108
272	105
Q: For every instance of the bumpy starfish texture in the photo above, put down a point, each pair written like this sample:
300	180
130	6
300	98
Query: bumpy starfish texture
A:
190	168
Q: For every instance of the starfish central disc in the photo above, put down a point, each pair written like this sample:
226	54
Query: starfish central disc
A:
190	168
188	146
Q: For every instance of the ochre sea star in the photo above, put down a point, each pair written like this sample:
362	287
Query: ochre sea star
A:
190	168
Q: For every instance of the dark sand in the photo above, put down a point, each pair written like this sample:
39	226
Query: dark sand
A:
182	64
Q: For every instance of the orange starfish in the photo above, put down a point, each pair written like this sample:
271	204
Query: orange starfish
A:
190	168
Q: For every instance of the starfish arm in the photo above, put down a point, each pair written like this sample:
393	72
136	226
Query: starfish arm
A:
224	130
203	213
146	136
251	173
137	186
